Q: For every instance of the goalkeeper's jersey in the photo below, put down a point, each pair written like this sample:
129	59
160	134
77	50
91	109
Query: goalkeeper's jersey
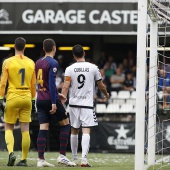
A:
83	76
19	72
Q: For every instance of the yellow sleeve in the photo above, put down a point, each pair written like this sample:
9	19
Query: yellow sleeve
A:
33	85
4	78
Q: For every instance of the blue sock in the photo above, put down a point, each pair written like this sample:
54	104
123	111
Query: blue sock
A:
64	134
41	143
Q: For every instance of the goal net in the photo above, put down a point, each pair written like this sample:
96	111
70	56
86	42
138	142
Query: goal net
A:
157	139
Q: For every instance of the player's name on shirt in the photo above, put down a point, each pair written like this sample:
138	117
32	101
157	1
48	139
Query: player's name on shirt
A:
81	69
80	97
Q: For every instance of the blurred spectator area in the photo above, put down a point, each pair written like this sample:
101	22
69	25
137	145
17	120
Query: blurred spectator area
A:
119	102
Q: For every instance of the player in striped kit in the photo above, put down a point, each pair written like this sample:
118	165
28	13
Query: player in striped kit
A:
49	106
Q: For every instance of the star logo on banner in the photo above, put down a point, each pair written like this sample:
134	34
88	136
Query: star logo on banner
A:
122	132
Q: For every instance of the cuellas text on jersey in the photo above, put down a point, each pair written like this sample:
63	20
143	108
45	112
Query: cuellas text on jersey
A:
81	69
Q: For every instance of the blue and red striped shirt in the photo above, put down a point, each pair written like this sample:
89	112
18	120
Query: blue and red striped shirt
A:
46	70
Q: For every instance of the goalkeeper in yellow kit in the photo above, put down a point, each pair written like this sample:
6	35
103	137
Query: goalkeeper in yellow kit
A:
19	72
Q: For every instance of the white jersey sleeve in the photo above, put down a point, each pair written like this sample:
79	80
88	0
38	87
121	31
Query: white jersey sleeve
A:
83	77
97	74
67	72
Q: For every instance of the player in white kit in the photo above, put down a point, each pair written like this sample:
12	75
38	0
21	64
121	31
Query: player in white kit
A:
80	79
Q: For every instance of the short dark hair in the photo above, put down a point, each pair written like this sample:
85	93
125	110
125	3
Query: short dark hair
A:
48	45
78	51
20	43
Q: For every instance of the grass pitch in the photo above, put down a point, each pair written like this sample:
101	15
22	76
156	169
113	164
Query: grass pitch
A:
99	161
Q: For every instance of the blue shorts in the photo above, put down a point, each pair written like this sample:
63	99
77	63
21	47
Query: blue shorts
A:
43	110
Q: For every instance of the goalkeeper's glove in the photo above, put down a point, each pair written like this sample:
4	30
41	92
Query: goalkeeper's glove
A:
33	107
1	107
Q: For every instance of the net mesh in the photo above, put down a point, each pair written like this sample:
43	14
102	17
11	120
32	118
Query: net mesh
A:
159	11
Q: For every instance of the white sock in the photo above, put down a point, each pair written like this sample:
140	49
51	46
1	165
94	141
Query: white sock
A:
74	145
41	160
85	144
61	155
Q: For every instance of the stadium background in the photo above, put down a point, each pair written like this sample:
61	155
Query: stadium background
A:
112	40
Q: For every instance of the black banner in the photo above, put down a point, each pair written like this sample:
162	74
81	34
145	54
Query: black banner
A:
119	137
68	18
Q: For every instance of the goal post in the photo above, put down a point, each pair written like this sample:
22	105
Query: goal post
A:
152	92
153	16
140	85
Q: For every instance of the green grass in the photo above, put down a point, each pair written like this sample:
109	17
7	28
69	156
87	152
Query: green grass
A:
161	165
99	161
158	167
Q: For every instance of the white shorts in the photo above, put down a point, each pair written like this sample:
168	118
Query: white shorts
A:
82	117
